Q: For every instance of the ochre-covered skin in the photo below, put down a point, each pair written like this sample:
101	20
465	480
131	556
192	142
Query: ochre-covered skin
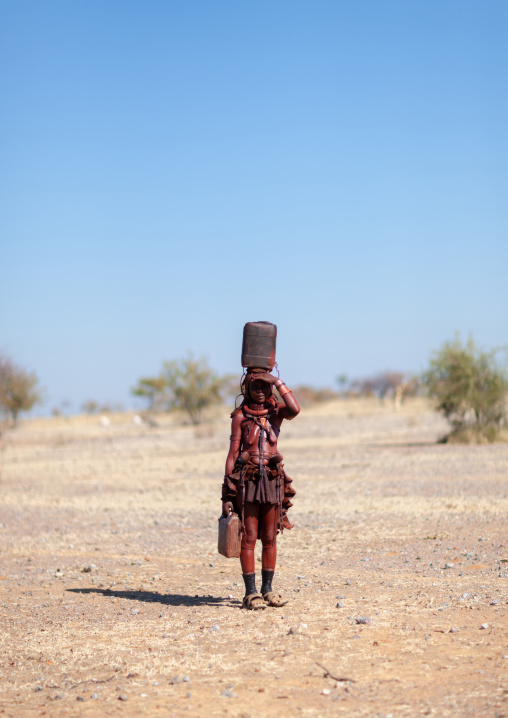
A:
246	438
251	458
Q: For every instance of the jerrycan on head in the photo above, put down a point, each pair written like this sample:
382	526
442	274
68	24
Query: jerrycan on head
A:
259	343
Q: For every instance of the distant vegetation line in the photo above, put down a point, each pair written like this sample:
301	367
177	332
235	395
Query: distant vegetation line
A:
468	386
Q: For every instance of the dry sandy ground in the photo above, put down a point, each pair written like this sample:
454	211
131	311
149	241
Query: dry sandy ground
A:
114	601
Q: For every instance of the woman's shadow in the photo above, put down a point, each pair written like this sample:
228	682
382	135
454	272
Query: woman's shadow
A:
169	599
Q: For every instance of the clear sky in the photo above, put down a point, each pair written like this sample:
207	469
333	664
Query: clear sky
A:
171	170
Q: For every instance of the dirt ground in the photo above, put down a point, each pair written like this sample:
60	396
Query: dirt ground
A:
114	601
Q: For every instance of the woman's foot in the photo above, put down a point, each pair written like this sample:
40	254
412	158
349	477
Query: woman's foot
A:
274	599
254	602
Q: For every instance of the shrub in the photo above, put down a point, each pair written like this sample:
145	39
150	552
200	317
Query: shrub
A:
308	395
151	389
470	390
380	385
192	385
18	389
186	384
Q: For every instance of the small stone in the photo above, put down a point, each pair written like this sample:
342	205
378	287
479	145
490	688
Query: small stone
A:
59	696
174	680
484	626
228	694
131	675
155	683
81	698
212	565
186	679
326	692
363	620
134	611
94	696
495	602
467	595
123	697
143	695
230	595
454	629
339	597
188	694
348	582
340	604
215	627
448	565
38	688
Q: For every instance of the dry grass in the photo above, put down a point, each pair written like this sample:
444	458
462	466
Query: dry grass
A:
381	509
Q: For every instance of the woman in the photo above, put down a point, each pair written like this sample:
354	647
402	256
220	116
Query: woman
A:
255	483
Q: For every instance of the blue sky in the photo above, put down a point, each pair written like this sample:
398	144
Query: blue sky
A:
172	170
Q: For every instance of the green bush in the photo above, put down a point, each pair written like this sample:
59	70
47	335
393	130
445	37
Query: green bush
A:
151	389
192	385
187	384
18	389
470	390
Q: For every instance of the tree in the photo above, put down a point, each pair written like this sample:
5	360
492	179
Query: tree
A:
470	390
192	385
342	380
90	406
151	389
308	395
381	384
187	384
18	389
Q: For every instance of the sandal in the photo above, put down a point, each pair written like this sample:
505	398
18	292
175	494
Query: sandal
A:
274	599
253	602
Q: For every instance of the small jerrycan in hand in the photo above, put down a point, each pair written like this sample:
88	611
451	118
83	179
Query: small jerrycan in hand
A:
230	535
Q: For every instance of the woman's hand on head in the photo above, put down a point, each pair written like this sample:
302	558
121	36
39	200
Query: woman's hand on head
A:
267	377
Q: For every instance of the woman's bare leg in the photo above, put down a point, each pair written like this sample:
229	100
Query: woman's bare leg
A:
268	520
249	538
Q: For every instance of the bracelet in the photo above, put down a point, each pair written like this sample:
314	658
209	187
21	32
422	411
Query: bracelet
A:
278	383
283	390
